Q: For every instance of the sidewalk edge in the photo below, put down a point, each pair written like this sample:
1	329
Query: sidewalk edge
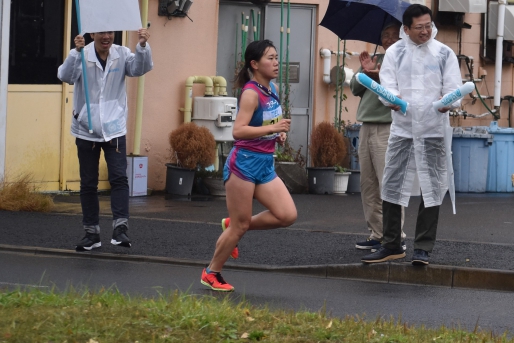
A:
390	272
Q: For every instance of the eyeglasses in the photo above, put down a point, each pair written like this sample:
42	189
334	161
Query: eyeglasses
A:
420	28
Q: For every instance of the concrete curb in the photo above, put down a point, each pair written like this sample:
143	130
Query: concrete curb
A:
390	272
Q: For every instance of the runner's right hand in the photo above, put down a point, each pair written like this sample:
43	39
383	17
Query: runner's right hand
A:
282	126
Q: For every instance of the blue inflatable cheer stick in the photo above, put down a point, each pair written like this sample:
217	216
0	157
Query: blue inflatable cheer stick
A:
457	94
84	73
376	88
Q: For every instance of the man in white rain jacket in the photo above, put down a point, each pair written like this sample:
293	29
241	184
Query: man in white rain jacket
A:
420	70
107	66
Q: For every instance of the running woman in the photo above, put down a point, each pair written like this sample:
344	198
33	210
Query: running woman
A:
249	171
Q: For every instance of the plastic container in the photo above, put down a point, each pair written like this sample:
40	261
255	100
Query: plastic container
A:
352	132
500	169
470	148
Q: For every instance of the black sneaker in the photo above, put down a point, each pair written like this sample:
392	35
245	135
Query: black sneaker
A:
119	237
419	258
367	244
376	247
383	255
89	242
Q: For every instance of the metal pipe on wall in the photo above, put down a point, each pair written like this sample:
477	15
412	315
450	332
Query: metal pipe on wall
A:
499	55
5	15
140	90
188	105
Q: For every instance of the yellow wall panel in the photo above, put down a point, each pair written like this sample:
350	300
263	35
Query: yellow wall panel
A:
33	138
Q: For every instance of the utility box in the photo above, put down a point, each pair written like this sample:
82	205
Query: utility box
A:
463	6
217	114
500	169
470	152
137	174
492	21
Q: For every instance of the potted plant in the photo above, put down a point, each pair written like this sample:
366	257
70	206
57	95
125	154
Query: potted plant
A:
341	177
191	146
327	150
212	181
290	167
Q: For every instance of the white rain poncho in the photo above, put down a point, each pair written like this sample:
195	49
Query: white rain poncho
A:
107	94
420	140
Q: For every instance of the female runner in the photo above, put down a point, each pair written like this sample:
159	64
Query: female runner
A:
249	171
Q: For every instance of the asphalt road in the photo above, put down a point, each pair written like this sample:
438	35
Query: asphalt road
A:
417	305
327	228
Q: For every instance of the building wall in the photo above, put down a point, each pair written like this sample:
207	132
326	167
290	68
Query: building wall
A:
182	48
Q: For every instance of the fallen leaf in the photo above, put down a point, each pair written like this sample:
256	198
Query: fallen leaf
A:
467	260
329	325
250	319
245	335
247	312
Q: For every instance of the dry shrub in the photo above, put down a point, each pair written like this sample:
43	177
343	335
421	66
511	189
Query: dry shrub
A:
192	146
327	146
21	195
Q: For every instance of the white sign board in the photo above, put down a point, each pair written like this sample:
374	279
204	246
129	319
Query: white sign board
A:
109	15
137	174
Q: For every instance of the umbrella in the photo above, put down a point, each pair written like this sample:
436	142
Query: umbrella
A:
362	19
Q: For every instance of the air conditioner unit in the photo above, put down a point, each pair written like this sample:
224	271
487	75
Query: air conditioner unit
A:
463	6
492	21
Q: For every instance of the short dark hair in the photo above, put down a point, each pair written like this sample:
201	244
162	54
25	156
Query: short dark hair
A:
414	11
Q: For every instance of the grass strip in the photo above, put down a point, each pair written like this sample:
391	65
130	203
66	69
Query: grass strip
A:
32	315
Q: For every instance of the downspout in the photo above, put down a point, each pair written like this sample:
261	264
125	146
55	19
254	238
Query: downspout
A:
140	89
5	11
499	57
220	85
207	81
326	54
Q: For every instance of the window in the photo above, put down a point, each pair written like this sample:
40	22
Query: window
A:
35	42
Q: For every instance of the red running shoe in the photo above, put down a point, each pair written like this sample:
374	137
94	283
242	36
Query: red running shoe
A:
215	282
225	222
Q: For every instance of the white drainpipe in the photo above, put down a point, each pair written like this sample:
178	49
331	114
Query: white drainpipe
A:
326	54
499	55
5	11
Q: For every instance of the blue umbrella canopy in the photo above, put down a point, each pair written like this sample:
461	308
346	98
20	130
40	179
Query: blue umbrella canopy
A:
362	19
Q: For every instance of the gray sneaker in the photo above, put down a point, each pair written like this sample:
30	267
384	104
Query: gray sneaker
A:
383	255
120	238
89	242
420	257
376	247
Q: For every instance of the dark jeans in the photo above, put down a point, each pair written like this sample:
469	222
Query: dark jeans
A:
426	226
115	153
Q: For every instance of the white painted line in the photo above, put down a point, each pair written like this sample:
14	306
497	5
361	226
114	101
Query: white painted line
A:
21	284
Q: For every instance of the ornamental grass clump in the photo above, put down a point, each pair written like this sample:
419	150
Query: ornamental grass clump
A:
327	147
192	146
21	195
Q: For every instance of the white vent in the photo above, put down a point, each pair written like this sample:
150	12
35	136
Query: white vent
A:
463	6
420	2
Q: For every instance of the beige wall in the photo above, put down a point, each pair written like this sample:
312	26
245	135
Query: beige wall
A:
182	48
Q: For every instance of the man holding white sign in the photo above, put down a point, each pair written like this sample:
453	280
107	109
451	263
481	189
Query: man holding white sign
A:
107	65
420	70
